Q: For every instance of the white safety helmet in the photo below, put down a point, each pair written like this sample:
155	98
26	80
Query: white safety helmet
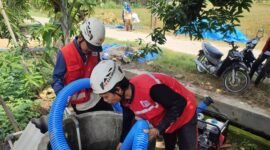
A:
93	31
105	76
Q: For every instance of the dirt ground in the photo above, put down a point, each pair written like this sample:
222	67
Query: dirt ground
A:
4	43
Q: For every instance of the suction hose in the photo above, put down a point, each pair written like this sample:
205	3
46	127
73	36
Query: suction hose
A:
56	133
136	137
202	106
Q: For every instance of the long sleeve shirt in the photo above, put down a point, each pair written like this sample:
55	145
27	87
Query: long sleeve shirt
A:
60	68
172	102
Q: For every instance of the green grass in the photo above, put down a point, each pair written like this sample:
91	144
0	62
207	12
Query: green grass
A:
244	140
175	62
113	41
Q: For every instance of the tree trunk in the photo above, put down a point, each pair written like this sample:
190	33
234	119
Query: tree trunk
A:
7	23
65	22
9	115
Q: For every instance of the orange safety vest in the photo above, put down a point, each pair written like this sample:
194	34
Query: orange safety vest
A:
144	107
77	69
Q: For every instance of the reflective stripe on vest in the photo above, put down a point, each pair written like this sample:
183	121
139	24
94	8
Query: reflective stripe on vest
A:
77	96
147	109
153	77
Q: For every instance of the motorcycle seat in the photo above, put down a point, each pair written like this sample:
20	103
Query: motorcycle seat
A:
213	51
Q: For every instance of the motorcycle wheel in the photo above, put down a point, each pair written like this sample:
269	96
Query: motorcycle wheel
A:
198	67
236	80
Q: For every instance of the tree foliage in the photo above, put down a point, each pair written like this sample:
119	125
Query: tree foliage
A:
17	11
64	18
193	17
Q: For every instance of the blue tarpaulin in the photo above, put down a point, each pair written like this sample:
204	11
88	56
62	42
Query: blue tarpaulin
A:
238	36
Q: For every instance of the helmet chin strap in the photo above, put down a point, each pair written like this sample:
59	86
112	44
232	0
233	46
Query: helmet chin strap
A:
122	96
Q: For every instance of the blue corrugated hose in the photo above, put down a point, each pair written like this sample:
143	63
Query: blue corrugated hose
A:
56	133
136	138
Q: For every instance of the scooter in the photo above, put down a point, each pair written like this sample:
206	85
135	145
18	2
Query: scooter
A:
232	68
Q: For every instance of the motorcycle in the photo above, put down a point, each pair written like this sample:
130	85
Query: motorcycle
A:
247	52
249	57
232	68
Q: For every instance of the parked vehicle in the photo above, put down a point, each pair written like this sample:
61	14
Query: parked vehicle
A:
232	69
249	57
248	54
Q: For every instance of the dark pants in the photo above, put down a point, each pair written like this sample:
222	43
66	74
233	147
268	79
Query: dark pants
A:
185	137
101	105
264	70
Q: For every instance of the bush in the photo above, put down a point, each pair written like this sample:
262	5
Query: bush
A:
23	110
22	76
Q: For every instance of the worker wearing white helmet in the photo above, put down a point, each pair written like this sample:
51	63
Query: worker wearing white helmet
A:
76	60
155	97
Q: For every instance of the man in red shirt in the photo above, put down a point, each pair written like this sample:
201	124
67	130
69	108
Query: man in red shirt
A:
76	60
265	54
155	97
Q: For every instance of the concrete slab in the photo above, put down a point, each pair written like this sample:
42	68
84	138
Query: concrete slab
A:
249	117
